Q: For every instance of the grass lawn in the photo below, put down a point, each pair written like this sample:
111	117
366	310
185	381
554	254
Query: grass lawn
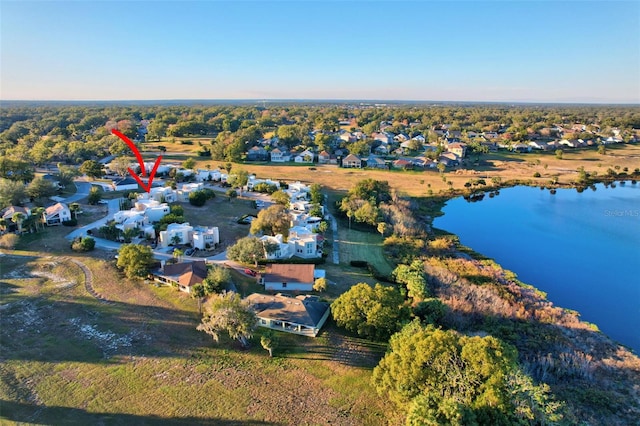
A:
68	358
358	245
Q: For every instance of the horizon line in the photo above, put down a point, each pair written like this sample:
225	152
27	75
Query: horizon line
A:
316	100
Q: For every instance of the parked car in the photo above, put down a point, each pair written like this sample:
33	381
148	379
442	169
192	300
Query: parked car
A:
189	252
250	272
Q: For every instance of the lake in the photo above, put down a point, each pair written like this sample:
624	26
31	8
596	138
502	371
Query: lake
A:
582	249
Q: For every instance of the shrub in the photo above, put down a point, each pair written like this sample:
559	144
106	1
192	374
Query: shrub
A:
197	198
9	241
70	222
83	244
359	263
536	175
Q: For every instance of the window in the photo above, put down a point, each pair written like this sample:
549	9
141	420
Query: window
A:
284	285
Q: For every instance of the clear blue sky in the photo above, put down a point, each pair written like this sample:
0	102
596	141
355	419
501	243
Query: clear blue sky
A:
541	51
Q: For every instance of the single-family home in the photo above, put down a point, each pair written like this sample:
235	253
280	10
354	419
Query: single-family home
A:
10	212
490	135
374	162
449	159
324	157
56	214
538	145
419	138
383	137
572	143
352	161
204	238
152	209
460	149
184	275
280	156
275	247
288	277
130	219
303	314
125	184
401	137
257	153
176	232
186	189
305	156
303	243
204	175
402	164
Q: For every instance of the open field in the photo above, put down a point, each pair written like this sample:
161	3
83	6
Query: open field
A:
70	358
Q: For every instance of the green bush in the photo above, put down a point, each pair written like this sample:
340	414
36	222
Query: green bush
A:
70	222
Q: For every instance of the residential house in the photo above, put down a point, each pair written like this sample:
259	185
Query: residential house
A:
56	214
348	137
382	149
257	153
125	184
304	220
280	156
538	145
203	175
303	243
8	214
402	164
401	137
304	314
186	189
275	247
419	138
490	135
352	161
130	219
521	147
573	143
471	134
374	162
288	277
152	209
179	231
449	159
383	137
161	194
205	238
305	156
460	149
184	275
324	157
253	181
424	162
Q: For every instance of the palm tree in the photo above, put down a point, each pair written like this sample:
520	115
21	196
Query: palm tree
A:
38	213
3	225
18	218
74	207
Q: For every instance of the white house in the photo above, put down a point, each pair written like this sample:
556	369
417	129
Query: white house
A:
56	214
304	315
152	209
303	243
205	238
288	277
280	156
277	250
161	194
207	175
129	219
182	230
304	220
186	189
305	156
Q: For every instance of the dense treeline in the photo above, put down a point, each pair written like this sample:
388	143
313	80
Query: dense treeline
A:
73	134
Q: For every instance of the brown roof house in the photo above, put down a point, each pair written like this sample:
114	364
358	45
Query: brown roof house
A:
288	277
184	275
56	214
304	314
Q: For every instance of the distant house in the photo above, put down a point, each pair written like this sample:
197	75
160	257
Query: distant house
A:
304	315
305	156
490	135
205	237
8	214
460	149
184	275
401	137
125	184
538	145
257	153
324	157
352	161
179	231
374	162
280	156
56	214
403	164
419	138
288	277
208	175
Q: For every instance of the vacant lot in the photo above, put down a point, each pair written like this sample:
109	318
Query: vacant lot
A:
69	358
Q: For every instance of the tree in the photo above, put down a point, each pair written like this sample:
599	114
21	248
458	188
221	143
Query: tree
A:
74	208
40	188
228	313
231	193
176	239
602	150
269	341
197	292
273	220
246	250
18	218
129	233
135	260
11	192
83	244
382	228
216	280
238	179
443	377
120	165
198	198
414	278
441	167
320	285
92	169
281	197
189	164
559	154
95	195
371	312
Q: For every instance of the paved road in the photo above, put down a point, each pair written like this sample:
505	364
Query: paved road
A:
82	192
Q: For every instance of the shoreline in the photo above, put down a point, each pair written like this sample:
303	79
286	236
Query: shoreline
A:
467	252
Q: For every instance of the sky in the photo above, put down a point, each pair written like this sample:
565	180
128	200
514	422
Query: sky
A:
501	51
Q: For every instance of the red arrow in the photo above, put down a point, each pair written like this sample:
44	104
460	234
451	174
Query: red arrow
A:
133	147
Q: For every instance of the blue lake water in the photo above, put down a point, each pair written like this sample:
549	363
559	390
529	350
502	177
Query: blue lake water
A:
582	249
